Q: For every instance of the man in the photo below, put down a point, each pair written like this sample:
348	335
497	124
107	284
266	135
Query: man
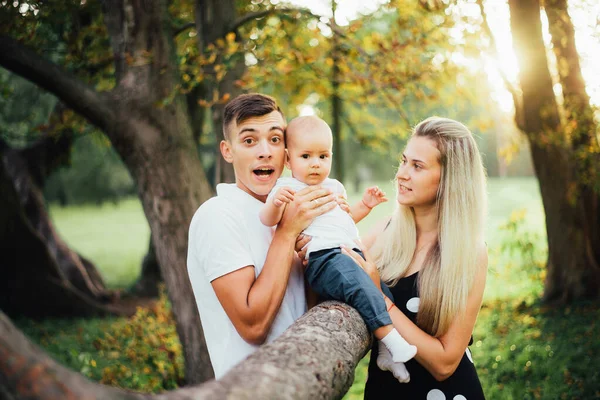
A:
247	285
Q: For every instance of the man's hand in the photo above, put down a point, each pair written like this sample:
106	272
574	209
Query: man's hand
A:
284	195
373	196
308	204
343	203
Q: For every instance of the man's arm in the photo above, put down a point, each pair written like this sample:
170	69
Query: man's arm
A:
251	303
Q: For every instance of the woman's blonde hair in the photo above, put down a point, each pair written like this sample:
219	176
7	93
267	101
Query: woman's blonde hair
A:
448	271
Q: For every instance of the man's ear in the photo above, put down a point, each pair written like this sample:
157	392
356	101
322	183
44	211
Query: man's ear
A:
287	159
225	147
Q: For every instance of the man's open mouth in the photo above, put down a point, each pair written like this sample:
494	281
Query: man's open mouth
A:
263	171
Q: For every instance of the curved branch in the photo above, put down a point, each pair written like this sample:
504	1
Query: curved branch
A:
264	13
313	359
49	76
249	17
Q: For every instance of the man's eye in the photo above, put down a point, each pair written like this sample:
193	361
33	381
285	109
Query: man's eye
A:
248	140
276	139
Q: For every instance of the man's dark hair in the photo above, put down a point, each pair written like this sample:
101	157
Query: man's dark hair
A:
247	106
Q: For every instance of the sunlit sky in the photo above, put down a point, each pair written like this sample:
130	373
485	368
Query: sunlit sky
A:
584	13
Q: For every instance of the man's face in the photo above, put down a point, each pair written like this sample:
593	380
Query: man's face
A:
309	155
255	148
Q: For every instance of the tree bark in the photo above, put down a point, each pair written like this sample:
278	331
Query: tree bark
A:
314	359
571	273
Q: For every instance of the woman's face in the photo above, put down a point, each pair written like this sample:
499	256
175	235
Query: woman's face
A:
419	173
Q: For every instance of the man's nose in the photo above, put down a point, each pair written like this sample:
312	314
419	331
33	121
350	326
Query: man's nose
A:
264	150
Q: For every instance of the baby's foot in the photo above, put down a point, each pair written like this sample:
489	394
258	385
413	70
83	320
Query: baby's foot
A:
399	348
400	372
385	363
384	358
402	354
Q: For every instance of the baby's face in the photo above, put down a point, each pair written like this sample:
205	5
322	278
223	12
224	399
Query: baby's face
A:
309	155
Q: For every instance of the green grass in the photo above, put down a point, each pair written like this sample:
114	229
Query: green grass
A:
522	349
114	237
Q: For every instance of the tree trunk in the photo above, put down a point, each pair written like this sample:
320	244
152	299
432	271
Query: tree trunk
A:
151	132
580	123
314	359
213	20
41	276
150	277
571	275
336	103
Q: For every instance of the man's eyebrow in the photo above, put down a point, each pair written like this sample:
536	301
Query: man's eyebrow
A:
250	129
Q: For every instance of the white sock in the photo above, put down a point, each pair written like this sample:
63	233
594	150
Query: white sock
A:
385	363
399	348
384	358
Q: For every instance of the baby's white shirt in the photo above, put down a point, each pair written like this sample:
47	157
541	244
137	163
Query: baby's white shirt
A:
330	230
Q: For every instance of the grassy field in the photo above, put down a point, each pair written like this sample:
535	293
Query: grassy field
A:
522	349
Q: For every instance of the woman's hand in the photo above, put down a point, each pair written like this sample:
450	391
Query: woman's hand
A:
301	248
366	264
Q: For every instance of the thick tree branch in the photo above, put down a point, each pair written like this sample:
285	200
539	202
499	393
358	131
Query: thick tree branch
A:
314	359
49	76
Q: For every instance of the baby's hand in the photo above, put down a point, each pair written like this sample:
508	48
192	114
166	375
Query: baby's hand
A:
283	195
373	196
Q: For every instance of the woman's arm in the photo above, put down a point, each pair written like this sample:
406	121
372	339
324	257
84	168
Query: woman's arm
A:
440	356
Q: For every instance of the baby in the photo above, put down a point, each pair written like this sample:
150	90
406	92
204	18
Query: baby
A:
330	273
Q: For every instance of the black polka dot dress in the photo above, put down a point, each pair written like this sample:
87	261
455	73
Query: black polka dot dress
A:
462	385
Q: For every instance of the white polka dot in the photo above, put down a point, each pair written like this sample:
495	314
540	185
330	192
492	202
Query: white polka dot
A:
459	397
436	394
469	355
413	304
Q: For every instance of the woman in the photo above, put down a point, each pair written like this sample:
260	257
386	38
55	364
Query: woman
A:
433	256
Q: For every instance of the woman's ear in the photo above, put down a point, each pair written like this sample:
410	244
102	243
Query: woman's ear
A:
225	147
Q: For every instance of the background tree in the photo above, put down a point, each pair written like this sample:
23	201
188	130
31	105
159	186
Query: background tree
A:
563	138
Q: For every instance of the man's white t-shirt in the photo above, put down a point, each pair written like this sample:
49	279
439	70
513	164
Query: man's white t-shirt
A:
225	235
330	230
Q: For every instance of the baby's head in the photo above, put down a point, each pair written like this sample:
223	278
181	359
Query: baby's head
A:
309	142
